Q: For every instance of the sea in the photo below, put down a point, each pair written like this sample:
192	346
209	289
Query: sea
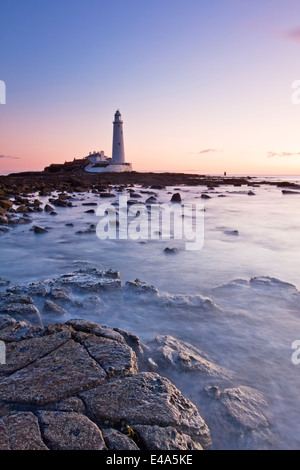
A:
248	265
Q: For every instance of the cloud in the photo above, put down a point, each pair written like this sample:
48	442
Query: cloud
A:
204	151
207	151
282	154
9	157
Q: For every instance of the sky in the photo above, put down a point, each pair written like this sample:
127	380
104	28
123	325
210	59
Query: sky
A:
203	86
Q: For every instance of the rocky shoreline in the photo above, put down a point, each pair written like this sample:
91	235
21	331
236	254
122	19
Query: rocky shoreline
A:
72	178
70	383
77	385
20	192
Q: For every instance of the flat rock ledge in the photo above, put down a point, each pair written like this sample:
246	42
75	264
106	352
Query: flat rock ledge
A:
77	386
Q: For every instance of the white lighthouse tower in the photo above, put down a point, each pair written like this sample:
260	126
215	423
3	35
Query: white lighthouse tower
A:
99	163
118	153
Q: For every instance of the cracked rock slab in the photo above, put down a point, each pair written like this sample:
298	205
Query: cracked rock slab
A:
169	352
70	431
21	431
243	414
168	438
22	353
61	374
115	358
116	440
148	399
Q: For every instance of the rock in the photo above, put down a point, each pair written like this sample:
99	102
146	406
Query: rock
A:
22	353
78	376
6	320
37	203
148	399
251	193
196	302
60	293
22	208
151	200
231	232
166	438
89	281
115	358
90	327
139	288
10	298
90	211
205	196
92	302
241	415
48	208
69	404
6	204
273	283
171	353
37	229
32	288
107	195
176	197
89	204
22	311
10	332
135	195
69	367
53	213
4	229
132	340
53	308
171	251
61	203
70	431
4	282
20	431
3	219
287	191
116	440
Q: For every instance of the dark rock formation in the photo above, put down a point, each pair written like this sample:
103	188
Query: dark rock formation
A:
76	386
242	414
176	197
171	251
147	399
170	353
52	307
37	229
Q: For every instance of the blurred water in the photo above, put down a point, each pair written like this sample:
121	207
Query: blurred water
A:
254	334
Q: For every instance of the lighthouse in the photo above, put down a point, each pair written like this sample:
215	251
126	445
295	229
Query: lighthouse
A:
99	163
118	153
